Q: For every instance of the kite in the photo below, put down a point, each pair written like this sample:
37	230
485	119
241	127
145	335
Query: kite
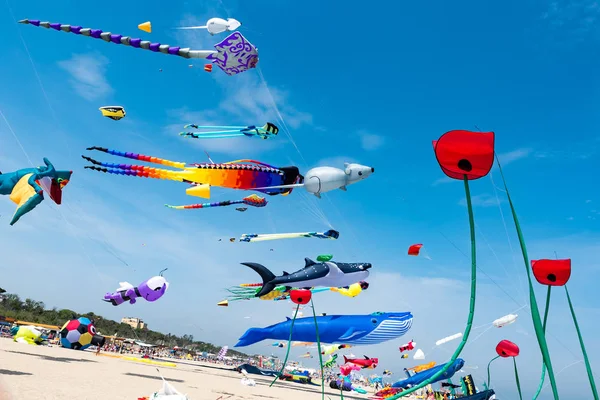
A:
366	363
252	200
151	290
240	174
333	348
506	320
433	374
417	249
326	274
404	356
208	67
506	349
27	334
248	291
241	209
306	355
345	384
255	237
26	187
557	273
331	362
325	179
407	347
79	334
146	27
217	25
113	112
233	55
419	355
267	131
347	368
353	290
422	367
352	329
449	338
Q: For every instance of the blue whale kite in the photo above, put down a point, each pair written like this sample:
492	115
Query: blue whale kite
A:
428	373
349	329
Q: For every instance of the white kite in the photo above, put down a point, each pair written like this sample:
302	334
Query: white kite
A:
448	339
217	25
419	355
506	320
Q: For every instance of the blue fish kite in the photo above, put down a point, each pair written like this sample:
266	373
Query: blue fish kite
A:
423	375
350	329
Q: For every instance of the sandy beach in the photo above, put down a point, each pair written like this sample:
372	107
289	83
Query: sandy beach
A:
53	373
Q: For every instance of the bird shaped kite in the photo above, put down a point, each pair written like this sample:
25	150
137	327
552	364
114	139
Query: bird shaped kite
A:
26	187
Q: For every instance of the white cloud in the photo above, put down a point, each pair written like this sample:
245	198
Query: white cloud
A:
88	75
442	180
370	141
481	200
511	156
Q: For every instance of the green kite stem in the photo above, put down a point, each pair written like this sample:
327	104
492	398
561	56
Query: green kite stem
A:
287	353
585	357
517	379
535	312
319	350
463	342
541	386
488	369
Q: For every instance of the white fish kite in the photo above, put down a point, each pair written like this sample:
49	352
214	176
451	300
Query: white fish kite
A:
255	237
506	320
217	25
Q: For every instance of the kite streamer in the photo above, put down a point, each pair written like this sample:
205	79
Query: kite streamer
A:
233	55
252	200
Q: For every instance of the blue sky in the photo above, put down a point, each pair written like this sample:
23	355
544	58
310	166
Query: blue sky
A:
353	82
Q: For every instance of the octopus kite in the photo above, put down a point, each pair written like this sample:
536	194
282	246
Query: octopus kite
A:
267	131
233	55
240	174
252	200
26	187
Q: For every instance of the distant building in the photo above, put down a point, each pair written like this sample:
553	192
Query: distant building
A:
135	323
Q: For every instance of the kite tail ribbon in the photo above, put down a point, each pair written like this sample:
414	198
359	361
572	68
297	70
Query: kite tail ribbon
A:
287	353
139	157
535	313
463	342
319	350
120	39
547	308
585	357
517	379
134	170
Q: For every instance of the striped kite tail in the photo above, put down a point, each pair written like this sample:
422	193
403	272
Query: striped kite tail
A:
133	170
140	157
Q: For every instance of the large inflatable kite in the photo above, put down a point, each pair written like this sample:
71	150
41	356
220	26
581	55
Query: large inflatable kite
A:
26	187
240	174
233	55
150	290
79	334
327	274
423	376
351	329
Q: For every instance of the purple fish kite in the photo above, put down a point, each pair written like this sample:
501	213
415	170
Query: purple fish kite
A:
151	290
233	55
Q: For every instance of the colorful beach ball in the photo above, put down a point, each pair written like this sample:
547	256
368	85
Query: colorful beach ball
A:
79	334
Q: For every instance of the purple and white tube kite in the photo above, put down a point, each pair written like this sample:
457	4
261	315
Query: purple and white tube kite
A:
233	55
